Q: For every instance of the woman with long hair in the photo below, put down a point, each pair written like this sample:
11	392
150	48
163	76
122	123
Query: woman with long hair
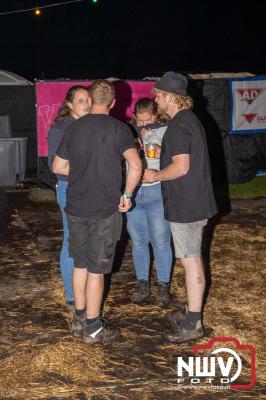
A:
75	105
145	221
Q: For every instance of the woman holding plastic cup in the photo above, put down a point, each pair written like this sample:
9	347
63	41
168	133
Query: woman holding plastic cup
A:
145	221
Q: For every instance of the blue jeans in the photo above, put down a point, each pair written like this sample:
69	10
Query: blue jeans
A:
66	262
146	224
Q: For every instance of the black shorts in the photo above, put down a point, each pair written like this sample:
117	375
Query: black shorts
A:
92	241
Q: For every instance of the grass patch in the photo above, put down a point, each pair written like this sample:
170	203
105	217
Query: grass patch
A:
256	187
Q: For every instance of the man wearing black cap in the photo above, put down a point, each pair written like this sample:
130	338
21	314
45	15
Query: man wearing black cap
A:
187	194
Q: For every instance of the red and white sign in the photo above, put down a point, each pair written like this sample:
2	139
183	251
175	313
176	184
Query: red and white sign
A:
50	96
248	107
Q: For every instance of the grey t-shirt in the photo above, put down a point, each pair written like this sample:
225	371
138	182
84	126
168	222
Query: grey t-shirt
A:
153	136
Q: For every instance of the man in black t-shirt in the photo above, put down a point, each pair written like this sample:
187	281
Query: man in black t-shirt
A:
187	194
91	154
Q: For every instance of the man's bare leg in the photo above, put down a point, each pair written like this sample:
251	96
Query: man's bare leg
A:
195	282
95	330
79	281
190	327
94	294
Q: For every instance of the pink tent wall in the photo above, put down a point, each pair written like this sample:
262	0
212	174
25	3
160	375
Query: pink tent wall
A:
50	95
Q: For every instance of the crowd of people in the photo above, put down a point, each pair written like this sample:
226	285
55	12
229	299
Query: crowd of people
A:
167	196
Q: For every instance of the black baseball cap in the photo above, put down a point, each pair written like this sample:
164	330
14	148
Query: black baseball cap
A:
173	82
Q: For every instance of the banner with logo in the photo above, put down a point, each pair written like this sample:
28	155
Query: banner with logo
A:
248	105
50	96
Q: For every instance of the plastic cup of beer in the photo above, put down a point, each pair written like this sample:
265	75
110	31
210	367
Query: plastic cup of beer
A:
150	151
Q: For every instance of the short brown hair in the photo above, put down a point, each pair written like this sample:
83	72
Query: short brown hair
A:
102	92
147	105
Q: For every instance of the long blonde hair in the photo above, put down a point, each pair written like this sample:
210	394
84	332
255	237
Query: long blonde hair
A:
183	102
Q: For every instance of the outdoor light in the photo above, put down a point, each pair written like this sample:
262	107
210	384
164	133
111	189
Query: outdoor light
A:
37	11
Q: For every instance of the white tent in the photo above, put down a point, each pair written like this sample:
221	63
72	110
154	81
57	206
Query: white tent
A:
9	78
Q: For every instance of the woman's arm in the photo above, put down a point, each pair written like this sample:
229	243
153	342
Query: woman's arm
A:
60	166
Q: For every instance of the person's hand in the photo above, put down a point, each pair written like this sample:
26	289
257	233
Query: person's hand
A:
143	131
149	176
125	204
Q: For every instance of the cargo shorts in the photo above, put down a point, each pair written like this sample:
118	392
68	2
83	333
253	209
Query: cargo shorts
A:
187	238
92	241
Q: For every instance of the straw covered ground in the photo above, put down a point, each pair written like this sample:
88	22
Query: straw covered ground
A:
40	360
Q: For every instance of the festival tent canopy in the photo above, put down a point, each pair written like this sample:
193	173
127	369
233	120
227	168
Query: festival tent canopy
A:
10	78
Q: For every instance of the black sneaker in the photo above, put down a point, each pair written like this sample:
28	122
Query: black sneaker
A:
176	316
184	334
98	332
141	292
77	325
163	296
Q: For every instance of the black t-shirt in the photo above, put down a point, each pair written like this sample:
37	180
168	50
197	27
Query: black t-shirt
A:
189	198
54	137
94	146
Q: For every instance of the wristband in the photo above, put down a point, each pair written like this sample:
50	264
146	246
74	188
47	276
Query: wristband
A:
127	195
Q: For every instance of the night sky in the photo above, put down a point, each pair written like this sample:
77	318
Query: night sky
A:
132	39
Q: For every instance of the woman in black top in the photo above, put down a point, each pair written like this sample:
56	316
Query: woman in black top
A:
75	105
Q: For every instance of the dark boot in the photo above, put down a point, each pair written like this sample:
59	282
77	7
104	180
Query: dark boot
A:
163	296
177	316
70	307
77	325
184	333
98	332
141	292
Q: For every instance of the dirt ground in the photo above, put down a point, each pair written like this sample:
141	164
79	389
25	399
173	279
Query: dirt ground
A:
40	360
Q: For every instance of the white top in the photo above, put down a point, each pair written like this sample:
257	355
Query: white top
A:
153	136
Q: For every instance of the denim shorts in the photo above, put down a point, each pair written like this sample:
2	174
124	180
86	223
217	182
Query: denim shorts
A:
92	241
187	238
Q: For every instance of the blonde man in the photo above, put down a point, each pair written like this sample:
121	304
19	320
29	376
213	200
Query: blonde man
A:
187	194
90	154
